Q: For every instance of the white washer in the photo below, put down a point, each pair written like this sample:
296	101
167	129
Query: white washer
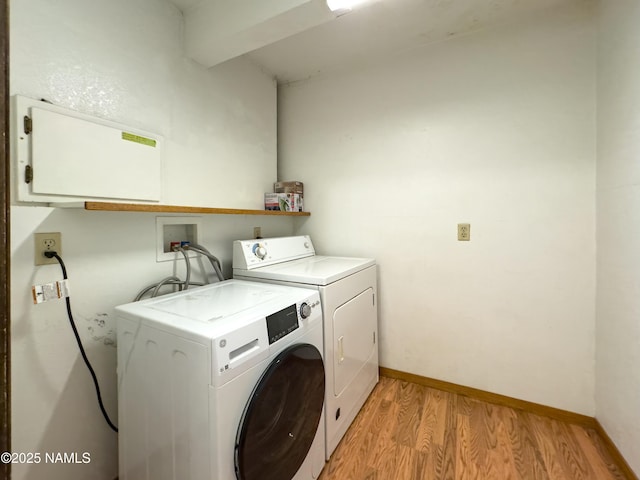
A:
222	382
347	288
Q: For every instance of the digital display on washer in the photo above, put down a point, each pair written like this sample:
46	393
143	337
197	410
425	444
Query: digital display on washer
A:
282	323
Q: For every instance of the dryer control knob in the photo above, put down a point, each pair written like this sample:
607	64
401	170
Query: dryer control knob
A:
305	310
259	251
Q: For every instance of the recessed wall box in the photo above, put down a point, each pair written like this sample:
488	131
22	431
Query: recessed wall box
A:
66	156
176	230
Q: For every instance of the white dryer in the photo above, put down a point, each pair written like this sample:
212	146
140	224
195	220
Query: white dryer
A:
348	289
222	382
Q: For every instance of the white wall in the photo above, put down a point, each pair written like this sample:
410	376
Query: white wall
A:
121	60
618	220
124	61
495	129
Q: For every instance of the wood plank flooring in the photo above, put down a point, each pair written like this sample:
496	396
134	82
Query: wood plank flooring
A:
407	431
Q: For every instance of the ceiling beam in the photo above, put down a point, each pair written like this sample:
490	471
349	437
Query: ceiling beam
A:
218	30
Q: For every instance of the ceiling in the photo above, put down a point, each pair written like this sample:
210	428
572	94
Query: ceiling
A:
378	29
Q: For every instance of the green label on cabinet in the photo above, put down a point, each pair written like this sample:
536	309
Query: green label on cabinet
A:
150	142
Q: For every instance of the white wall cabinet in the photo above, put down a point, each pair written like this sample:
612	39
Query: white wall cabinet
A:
62	155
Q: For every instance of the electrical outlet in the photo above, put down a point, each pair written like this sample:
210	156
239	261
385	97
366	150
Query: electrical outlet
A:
257	232
46	242
464	232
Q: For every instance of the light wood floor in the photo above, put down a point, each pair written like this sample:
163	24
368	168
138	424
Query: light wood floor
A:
407	431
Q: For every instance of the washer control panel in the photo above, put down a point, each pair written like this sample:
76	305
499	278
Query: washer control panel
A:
285	321
240	347
305	310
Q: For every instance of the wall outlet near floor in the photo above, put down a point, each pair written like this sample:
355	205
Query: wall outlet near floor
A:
46	242
464	232
257	232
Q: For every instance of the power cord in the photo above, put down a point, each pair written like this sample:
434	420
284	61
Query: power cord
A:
84	355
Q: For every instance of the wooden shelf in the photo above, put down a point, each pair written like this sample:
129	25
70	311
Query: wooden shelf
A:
138	207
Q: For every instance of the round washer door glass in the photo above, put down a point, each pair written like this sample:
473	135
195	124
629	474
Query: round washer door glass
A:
282	416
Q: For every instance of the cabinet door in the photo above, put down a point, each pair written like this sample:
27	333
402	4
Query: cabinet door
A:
73	157
65	156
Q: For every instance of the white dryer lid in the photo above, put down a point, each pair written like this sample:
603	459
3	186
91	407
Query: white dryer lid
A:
314	270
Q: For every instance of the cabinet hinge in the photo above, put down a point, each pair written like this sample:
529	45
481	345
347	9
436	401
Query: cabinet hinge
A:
28	174
374	337
28	125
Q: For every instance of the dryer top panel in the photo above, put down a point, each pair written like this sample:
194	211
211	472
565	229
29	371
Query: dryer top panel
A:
248	254
315	270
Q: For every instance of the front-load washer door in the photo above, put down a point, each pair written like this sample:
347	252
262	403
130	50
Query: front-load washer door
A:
282	416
